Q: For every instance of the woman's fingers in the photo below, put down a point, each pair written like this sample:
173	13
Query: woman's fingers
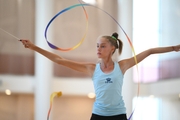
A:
177	48
26	43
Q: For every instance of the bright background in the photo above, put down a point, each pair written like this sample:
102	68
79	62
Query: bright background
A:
27	79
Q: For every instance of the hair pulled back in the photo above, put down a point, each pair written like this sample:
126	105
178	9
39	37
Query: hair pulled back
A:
117	43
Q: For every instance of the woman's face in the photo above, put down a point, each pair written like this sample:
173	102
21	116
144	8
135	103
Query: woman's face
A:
104	48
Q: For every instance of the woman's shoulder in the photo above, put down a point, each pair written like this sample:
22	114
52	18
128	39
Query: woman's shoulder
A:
91	67
122	65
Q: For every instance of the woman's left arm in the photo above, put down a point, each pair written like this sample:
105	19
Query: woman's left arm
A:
165	49
128	63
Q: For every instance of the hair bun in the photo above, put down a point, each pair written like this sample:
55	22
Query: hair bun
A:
115	35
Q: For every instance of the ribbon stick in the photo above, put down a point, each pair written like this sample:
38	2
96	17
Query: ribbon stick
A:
54	94
10	34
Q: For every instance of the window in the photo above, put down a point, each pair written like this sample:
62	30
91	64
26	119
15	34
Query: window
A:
155	24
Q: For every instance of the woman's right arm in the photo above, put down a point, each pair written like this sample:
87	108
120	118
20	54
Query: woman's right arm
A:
78	66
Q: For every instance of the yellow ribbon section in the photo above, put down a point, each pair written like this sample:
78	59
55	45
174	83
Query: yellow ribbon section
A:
54	94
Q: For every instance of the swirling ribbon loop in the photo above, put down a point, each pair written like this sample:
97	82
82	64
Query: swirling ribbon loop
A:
65	10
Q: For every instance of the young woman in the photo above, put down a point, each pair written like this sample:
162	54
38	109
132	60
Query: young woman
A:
107	75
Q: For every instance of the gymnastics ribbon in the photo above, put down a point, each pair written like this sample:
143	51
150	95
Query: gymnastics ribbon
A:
59	13
54	94
58	94
77	5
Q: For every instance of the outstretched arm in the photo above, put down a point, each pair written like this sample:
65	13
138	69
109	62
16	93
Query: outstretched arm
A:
81	67
128	63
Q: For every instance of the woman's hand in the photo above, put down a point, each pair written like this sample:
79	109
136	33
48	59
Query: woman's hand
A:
176	48
27	44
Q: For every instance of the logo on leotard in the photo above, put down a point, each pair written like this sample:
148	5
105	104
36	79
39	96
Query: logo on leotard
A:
108	80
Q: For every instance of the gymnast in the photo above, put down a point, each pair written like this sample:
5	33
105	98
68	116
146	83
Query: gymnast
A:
107	75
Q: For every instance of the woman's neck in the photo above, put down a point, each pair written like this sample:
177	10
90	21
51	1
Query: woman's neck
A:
107	63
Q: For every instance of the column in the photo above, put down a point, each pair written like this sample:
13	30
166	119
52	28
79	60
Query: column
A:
125	20
43	66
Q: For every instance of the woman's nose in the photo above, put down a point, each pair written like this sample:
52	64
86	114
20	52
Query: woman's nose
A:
98	49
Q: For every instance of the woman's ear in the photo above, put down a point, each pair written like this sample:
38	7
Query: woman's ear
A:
113	50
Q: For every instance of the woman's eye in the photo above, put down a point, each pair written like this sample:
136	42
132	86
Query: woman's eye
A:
99	46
